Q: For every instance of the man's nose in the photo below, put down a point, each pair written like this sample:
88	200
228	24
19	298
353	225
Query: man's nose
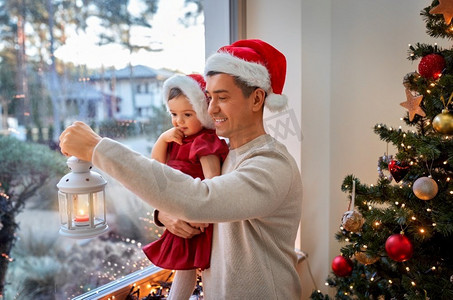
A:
213	107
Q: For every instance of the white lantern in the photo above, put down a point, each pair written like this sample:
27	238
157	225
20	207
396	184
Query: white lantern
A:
81	200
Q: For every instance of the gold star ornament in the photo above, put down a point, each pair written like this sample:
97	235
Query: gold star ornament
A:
412	104
445	8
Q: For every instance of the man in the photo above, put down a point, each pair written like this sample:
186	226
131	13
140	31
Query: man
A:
256	202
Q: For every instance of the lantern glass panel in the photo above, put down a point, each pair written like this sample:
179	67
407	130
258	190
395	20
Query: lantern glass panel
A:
81	209
98	208
63	205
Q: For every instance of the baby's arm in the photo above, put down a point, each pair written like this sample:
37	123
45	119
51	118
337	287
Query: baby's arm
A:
211	168
159	151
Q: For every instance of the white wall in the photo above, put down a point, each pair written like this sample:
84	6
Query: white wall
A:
346	62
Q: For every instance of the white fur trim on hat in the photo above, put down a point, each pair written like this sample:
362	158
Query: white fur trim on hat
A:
193	92
276	102
254	74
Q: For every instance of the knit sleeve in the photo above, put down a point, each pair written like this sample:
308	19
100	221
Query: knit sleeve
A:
255	188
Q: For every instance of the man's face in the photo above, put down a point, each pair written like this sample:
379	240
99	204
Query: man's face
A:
231	111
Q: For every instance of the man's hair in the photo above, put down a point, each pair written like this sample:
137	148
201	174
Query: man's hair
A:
174	92
246	89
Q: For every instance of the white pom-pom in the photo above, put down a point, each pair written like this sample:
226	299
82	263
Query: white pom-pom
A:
276	103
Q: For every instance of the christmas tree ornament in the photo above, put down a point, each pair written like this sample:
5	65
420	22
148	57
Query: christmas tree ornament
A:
398	169
384	159
412	104
443	122
408	78
363	258
352	220
445	8
342	266
425	188
399	247
431	66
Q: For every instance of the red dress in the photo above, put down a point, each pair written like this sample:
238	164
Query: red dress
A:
173	252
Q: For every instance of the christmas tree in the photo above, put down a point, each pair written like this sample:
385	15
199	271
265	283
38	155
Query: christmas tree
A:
397	235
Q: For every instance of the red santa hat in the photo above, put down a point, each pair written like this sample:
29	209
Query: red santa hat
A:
193	87
258	64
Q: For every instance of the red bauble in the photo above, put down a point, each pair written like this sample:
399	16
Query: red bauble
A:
431	66
398	169
342	266
399	247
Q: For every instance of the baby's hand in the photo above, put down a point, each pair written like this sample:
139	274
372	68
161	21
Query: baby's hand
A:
200	226
173	135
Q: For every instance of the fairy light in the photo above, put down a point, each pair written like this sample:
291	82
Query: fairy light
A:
413	218
448	179
396	203
408	269
326	284
434	224
390	281
428	91
377	223
403	205
422	230
428	209
346	239
445	162
351	287
413	283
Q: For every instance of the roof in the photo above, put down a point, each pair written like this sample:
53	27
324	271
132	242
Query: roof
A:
139	71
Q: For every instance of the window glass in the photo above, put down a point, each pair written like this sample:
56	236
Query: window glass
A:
102	62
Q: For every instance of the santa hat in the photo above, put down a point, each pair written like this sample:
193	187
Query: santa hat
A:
258	64
193	87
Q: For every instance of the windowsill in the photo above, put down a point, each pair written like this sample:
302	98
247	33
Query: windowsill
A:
145	281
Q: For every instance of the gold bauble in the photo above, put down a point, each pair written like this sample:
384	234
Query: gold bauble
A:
425	188
443	122
364	258
352	221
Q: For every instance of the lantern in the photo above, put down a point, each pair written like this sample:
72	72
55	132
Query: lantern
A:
81	200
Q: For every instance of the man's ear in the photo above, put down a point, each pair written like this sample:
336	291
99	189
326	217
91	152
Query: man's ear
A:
259	95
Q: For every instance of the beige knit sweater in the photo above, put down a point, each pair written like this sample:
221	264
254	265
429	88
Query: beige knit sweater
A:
255	205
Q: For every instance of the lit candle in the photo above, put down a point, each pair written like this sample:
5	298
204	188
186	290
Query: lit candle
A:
81	217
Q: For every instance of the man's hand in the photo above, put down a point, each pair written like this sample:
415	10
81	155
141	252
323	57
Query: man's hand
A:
179	227
79	140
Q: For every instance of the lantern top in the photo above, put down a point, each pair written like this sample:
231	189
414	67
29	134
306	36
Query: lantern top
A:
81	179
78	166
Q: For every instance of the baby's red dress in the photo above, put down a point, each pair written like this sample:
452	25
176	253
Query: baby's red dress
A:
173	252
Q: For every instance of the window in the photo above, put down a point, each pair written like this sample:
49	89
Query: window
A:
62	61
